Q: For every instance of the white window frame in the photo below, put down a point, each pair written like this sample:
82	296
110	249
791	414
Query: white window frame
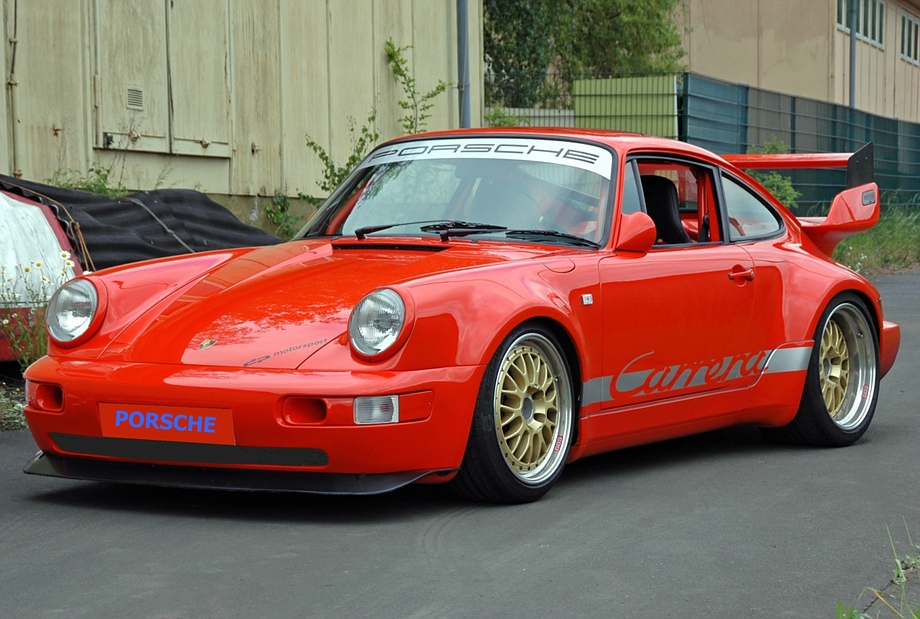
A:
910	38
870	20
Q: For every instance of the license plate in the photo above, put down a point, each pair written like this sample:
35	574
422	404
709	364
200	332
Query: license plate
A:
182	424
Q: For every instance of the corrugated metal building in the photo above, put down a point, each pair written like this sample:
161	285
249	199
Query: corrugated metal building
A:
217	95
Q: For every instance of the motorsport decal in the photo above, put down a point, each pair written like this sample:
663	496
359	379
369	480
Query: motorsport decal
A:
573	154
182	424
278	353
633	382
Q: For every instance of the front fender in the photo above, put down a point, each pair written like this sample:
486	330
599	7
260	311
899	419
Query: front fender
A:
462	321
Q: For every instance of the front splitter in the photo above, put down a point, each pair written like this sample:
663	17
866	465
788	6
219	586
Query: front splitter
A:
219	478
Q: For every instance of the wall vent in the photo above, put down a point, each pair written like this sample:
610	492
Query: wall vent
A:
135	99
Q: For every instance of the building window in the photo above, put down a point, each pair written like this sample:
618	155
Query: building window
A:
910	37
870	19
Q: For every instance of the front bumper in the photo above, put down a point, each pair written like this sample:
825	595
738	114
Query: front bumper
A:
267	439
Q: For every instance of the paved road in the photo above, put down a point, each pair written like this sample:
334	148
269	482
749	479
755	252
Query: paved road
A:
720	525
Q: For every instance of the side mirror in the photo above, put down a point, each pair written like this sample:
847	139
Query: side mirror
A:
638	233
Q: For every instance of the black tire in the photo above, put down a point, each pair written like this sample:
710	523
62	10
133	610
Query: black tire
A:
841	389
523	423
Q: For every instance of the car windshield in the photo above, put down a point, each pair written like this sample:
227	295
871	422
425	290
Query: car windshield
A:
499	186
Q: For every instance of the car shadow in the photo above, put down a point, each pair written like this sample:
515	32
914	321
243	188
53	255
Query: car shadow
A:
244	505
725	444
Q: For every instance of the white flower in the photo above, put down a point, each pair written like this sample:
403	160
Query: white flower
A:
26	269
38	265
6	321
68	263
65	255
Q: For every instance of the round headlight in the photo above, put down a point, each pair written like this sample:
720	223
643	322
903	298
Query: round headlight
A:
376	322
71	310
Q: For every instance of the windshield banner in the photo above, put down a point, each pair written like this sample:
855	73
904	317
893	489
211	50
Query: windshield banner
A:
574	154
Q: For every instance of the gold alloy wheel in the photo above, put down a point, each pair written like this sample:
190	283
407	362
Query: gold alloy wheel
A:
848	366
834	364
533	408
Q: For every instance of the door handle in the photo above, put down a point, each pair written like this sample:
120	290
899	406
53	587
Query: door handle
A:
747	274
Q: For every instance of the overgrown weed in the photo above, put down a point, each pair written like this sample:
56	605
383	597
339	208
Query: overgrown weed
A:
278	212
415	103
901	598
97	180
11	416
24	294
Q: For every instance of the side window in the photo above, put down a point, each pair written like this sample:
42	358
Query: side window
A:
748	216
632	203
678	198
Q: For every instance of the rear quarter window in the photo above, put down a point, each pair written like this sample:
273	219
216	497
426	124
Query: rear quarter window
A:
749	217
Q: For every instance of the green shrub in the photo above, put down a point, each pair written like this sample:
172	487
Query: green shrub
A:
777	184
500	117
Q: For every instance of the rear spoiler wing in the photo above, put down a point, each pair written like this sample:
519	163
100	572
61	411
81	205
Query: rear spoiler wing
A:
860	165
854	210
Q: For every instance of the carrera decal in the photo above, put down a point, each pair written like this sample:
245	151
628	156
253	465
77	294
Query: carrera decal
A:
633	382
573	154
694	374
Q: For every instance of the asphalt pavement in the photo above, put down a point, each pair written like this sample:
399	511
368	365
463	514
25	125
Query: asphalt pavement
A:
724	524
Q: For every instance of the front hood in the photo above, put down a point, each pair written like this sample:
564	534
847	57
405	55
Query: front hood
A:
276	306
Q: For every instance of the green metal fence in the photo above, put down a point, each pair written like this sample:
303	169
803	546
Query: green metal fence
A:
732	118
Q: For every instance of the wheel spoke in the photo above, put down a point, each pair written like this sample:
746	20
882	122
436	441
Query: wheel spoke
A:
834	364
527	403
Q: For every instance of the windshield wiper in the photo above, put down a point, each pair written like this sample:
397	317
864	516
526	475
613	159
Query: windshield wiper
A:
444	227
447	229
553	234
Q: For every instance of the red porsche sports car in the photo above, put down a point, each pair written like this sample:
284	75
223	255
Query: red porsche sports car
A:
477	307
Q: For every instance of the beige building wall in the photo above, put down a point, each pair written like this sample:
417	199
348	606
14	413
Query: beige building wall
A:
797	48
217	95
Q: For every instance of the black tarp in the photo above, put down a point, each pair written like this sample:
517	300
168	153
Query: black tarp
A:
148	224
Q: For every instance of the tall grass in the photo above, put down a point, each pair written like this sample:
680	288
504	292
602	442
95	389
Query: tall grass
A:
894	243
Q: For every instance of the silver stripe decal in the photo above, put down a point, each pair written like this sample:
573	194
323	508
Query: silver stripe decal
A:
788	360
596	390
